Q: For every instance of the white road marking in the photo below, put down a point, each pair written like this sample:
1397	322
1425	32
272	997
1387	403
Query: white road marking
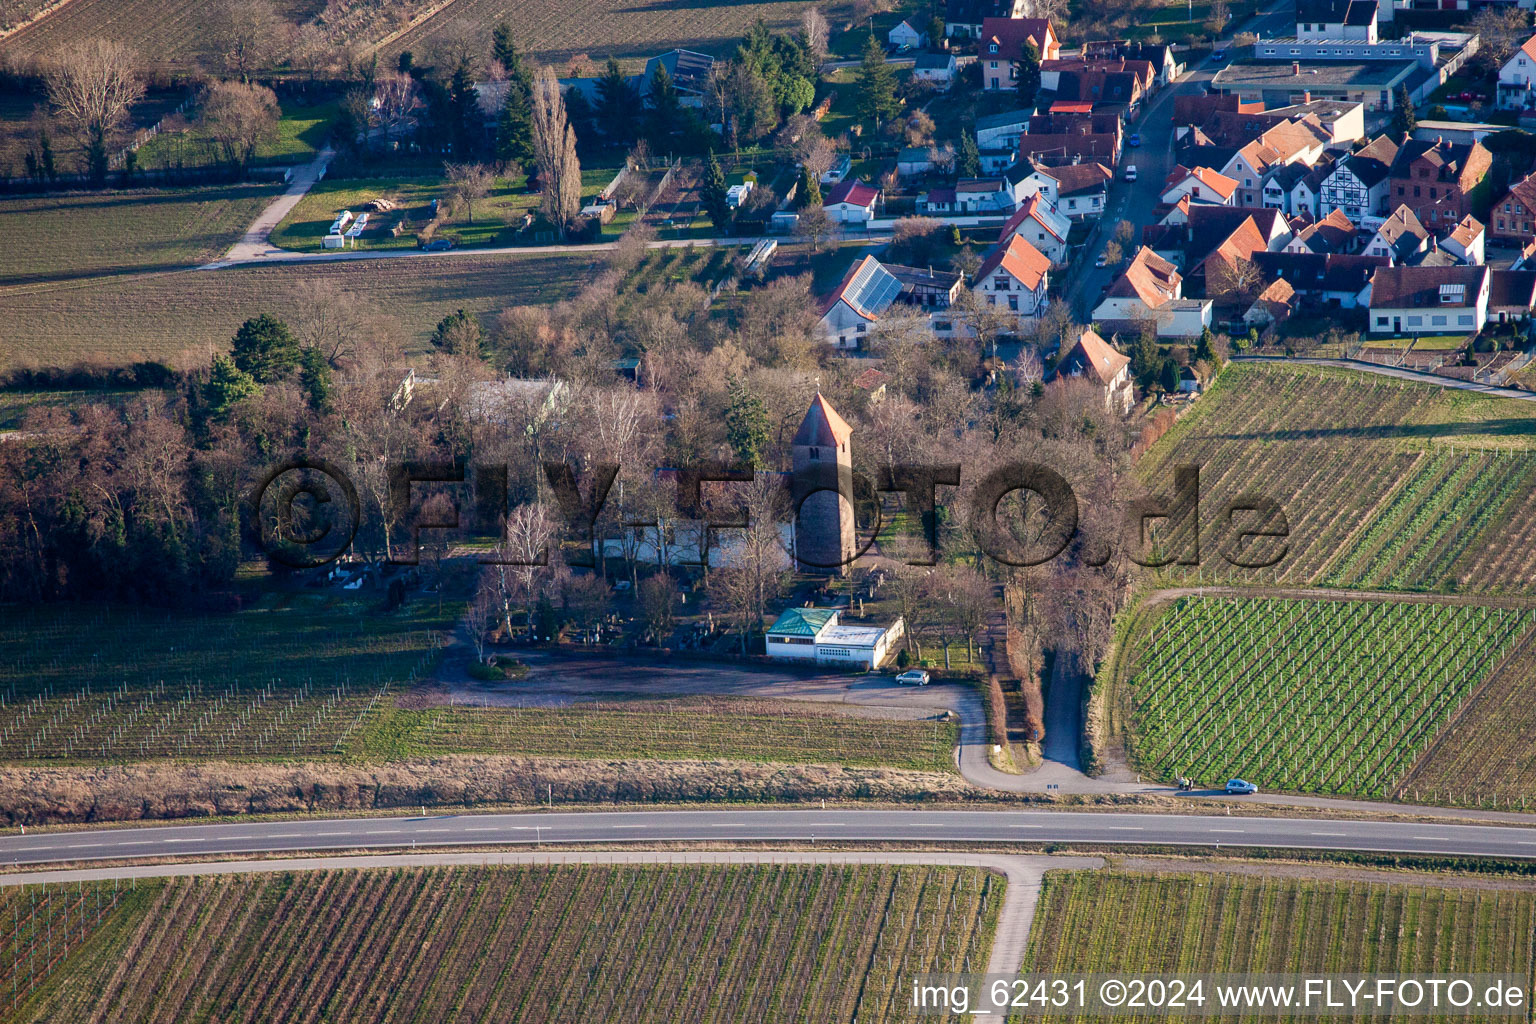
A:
729	824
629	826
1026	826
1126	828
481	830
332	834
1238	830
382	832
1335	834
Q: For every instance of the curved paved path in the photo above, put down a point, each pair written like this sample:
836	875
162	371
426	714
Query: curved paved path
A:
1417	376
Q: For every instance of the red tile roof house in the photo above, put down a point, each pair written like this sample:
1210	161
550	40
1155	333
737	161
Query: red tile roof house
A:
1095	360
1002	44
1514	216
1014	274
1201	185
1151	289
1042	226
1437	179
852	202
1429	300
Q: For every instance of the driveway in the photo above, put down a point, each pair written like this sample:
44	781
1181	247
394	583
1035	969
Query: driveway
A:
254	245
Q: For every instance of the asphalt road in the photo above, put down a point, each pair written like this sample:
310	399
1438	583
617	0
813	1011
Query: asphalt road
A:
746	825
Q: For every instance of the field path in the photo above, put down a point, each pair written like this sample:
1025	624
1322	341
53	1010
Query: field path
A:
1400	373
254	244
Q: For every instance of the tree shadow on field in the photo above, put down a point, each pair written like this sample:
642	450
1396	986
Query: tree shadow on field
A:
1504	427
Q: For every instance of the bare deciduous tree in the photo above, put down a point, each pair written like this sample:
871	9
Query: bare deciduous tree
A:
484	608
330	318
239	118
816	225
525	544
758	559
554	146
814	33
91	85
246	33
466	184
396	101
658	604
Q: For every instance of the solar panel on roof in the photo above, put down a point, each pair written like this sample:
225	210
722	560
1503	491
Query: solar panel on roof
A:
876	288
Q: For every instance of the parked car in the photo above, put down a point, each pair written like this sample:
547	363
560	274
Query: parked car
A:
1237	787
1101	260
1219	56
1130	172
439	245
913	677
1134	140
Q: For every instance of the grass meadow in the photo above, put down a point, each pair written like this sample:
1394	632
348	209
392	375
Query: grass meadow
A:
184	317
495	222
82	236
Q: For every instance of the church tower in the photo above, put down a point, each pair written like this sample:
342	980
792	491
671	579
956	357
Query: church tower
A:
823	478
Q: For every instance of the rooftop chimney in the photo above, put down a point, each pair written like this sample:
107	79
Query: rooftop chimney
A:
1295	67
1306	97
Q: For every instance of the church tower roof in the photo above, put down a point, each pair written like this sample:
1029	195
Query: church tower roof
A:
822	425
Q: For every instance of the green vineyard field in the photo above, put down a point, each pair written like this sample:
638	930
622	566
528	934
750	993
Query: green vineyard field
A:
571	943
1306	696
1135	923
1385	484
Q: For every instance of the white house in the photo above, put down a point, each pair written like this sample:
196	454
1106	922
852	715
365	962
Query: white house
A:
1401	238
1358	184
1517	78
816	634
1095	360
1001	131
1429	300
862	298
937	69
1466	241
1337	20
1293	188
1076	190
905	35
1014	275
997	194
1152	289
863	295
852	202
1333	234
1290	142
1200	185
1042	226
914	160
